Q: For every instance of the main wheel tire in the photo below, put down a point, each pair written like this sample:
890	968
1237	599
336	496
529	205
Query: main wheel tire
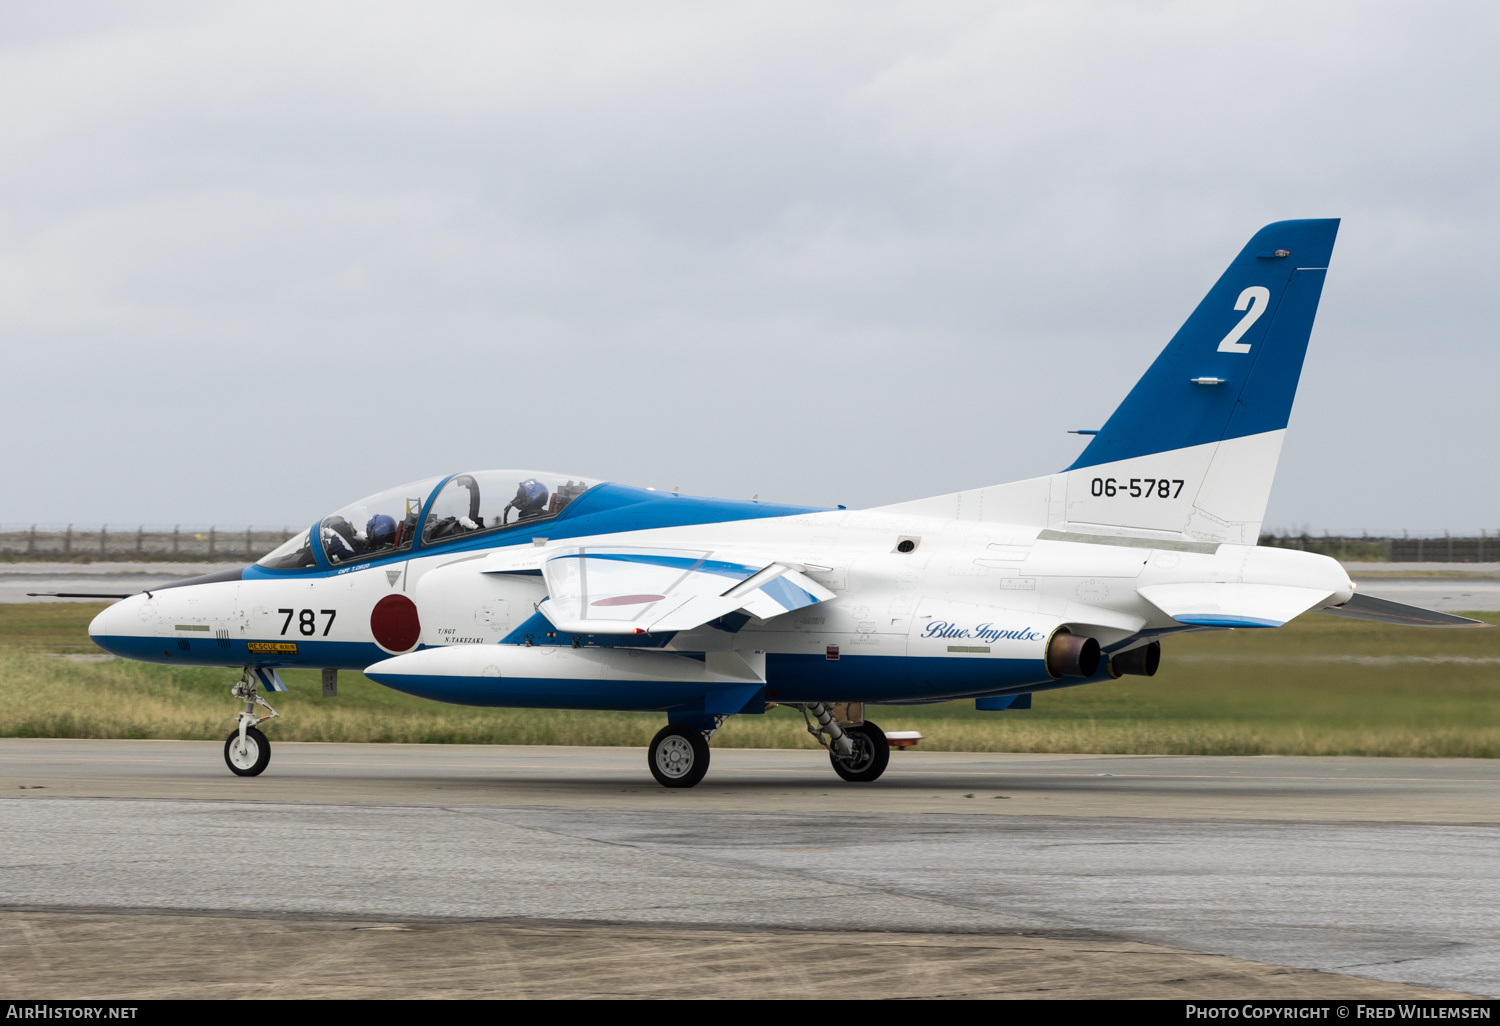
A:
678	756
254	759
872	754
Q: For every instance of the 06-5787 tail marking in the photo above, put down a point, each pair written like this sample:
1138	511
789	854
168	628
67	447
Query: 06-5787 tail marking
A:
1137	487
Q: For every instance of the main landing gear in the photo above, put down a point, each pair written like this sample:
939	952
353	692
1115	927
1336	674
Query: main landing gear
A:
246	750
678	755
859	754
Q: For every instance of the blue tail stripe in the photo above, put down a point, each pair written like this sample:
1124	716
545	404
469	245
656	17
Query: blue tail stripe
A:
1259	369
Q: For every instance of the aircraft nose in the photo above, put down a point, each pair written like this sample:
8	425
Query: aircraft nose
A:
107	629
99	629
99	625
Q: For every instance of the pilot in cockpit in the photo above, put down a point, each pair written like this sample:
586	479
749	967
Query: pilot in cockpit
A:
530	501
342	542
380	533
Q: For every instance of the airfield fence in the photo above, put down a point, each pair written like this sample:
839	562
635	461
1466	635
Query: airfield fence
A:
199	544
142	543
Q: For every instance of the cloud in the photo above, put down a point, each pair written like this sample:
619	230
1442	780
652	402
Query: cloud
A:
259	259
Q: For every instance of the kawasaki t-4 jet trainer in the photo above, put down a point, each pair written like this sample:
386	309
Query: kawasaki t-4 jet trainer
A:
542	590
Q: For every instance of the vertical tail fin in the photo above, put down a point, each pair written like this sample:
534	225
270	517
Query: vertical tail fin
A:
1192	450
1194	446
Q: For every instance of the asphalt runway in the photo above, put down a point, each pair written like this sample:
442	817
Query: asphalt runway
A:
413	870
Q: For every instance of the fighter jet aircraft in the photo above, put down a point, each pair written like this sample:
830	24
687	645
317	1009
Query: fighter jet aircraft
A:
544	590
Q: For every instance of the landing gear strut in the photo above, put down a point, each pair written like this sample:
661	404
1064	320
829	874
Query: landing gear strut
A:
859	754
246	750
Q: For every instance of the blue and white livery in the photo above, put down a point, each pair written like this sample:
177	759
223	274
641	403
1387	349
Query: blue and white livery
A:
534	589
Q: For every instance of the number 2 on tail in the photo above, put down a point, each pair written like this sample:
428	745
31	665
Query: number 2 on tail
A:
1253	301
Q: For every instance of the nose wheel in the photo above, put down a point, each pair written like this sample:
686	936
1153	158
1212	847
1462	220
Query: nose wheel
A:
247	754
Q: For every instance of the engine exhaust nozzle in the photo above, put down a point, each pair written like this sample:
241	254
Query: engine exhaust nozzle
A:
1142	662
1072	655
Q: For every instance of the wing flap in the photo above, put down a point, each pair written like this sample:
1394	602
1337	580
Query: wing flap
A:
783	594
1233	605
620	590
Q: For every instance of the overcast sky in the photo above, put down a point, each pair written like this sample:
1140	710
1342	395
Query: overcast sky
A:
257	260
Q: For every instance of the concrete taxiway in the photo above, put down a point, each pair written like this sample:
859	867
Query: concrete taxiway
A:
412	870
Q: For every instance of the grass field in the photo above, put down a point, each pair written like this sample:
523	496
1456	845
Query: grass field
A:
1320	686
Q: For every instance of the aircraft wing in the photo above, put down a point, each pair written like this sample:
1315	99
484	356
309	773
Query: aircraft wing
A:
1368	607
634	590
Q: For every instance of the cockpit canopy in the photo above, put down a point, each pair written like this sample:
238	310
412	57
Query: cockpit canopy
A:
380	524
488	500
474	503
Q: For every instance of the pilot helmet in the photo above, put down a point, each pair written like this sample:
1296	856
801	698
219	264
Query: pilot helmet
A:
531	494
380	531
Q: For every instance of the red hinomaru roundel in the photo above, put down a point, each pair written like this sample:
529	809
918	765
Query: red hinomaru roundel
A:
395	624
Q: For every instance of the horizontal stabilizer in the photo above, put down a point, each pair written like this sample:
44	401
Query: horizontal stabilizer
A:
1368	607
1233	605
627	590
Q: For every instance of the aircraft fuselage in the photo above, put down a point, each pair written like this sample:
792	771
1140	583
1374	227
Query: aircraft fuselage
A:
966	612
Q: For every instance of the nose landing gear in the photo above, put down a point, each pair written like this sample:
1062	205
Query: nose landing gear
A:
247	753
246	750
